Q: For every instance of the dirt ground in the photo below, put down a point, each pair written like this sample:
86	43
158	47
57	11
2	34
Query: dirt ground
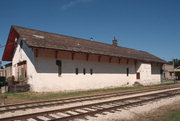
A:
35	96
159	114
20	97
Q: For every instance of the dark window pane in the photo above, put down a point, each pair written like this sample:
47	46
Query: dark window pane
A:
84	71
77	71
59	64
138	75
91	71
127	71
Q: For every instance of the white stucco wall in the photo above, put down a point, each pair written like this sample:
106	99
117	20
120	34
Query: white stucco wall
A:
25	54
105	74
42	71
149	73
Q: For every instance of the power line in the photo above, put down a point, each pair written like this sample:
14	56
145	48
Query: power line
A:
1	46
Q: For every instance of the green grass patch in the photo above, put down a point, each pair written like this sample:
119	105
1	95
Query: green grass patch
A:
172	116
170	83
54	95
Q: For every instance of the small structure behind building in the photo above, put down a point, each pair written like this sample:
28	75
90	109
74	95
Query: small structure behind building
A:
171	73
13	84
2	72
6	71
177	73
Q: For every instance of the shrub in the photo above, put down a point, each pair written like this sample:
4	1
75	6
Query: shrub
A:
137	84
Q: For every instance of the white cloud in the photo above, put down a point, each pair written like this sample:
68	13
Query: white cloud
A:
73	3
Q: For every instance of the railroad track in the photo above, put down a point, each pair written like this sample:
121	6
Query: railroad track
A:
92	109
40	104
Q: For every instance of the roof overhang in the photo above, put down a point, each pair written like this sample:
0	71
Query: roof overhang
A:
122	57
38	39
10	45
175	70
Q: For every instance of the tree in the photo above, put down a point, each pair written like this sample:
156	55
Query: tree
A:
176	62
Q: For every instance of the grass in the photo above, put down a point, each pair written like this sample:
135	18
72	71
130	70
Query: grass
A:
167	113
163	114
33	96
172	116
54	95
163	84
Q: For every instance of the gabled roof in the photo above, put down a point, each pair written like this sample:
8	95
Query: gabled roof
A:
40	39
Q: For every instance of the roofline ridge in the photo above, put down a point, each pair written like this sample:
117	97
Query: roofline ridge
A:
15	27
74	37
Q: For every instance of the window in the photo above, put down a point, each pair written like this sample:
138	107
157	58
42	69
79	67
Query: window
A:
137	75
59	64
91	71
127	71
77	71
22	70
84	71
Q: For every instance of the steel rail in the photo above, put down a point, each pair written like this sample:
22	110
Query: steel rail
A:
34	115
76	99
99	111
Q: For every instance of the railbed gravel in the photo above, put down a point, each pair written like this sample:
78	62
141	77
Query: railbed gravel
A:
54	107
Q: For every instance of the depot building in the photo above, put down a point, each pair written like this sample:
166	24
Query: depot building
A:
53	62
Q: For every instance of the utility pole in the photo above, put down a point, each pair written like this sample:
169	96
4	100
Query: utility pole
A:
0	64
1	46
174	71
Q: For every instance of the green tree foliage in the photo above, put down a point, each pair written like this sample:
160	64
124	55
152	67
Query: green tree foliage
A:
176	62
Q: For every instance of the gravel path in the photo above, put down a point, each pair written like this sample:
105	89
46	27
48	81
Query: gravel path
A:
130	113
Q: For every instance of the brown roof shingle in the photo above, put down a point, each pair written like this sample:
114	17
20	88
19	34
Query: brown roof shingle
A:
41	39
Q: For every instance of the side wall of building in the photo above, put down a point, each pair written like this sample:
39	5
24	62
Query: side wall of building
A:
105	74
42	71
149	73
25	53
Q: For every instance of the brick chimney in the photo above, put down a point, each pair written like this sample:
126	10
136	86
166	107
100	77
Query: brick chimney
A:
114	42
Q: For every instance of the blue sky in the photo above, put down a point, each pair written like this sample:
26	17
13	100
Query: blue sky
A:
149	25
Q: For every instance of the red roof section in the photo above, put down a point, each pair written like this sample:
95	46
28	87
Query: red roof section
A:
10	45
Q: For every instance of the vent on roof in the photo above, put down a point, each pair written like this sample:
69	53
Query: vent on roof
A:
115	42
38	36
